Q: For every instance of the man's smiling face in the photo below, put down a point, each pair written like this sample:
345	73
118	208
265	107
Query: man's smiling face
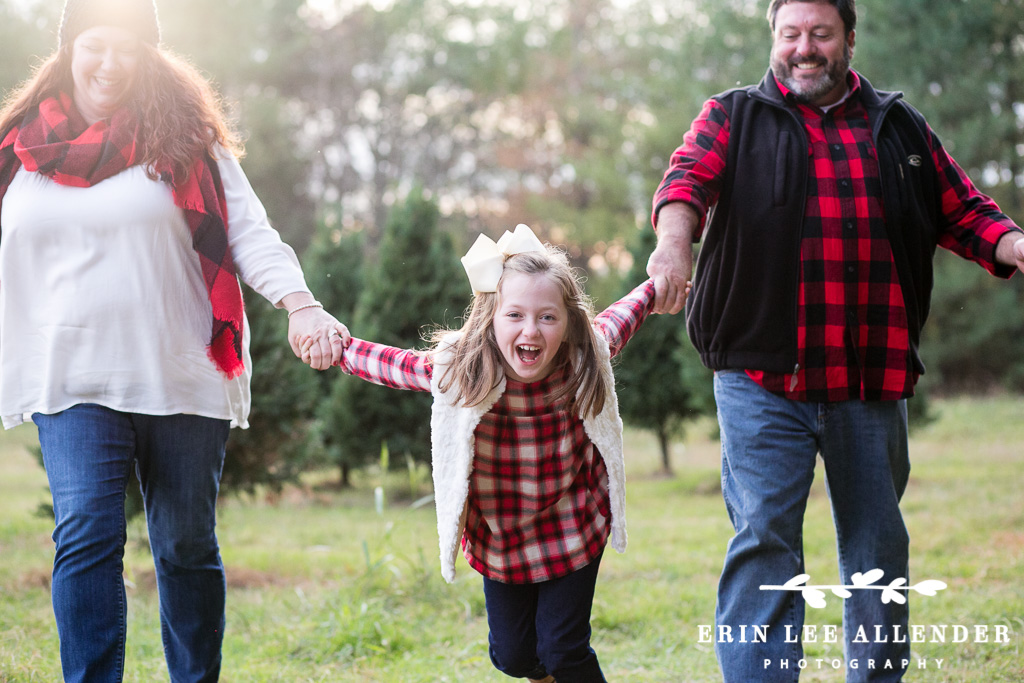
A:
811	51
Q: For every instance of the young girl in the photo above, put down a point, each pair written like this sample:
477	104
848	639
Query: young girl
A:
527	446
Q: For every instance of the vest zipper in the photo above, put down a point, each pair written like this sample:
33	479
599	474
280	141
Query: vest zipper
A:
793	382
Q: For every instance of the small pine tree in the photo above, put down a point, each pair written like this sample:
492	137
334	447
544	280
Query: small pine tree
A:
662	383
272	451
334	271
418	282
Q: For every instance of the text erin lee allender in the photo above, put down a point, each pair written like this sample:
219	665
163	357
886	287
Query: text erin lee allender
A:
830	633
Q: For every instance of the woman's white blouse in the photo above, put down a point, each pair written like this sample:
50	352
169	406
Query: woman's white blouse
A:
102	297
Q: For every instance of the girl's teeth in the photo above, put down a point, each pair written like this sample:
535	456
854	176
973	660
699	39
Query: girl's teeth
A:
528	353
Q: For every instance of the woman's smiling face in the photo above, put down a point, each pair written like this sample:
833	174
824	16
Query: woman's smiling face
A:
104	66
529	325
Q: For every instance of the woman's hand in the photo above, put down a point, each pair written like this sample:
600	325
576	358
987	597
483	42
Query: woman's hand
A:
325	338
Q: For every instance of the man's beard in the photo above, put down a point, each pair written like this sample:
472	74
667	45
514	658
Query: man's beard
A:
808	93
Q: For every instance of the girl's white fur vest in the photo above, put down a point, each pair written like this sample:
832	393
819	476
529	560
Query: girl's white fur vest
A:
452	448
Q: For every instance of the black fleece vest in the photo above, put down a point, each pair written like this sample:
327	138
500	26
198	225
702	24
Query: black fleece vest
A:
742	312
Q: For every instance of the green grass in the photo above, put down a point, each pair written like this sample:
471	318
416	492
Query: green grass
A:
322	588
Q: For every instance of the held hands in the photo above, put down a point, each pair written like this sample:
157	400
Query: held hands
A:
312	353
671	264
317	338
670	293
670	267
309	324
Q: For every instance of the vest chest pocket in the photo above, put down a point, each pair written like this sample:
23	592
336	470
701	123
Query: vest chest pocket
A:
909	190
780	180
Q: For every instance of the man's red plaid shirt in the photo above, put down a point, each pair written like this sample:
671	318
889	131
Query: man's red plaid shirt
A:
852	338
538	505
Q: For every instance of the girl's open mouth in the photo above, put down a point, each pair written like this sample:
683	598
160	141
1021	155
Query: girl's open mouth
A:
528	354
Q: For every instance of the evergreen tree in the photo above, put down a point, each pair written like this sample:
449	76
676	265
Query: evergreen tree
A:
962	65
417	282
662	382
334	270
272	451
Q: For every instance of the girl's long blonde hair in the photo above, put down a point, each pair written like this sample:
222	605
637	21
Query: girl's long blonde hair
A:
476	365
181	117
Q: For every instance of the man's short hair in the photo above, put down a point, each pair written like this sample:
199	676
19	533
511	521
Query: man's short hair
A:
847	11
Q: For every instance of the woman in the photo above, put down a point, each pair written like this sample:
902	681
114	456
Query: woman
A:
124	218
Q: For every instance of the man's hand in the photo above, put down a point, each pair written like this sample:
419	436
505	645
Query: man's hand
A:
671	263
1010	250
1018	254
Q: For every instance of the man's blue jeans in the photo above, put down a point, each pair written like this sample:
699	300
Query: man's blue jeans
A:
769	448
88	452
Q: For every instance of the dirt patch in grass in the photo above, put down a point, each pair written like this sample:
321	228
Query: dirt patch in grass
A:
144	581
34	578
1009	541
241	578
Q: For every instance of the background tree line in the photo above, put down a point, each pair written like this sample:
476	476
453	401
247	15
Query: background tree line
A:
382	135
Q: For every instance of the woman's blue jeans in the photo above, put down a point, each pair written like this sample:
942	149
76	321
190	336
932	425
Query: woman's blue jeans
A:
88	452
769	448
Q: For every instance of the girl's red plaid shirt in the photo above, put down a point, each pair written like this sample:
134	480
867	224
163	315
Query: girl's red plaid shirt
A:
538	505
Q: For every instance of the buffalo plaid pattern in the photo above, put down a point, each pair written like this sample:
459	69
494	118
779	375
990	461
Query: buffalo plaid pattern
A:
538	504
56	141
852	335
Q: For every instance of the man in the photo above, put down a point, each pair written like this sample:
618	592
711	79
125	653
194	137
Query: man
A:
813	283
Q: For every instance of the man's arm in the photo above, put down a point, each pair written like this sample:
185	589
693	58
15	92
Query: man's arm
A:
690	187
976	228
671	263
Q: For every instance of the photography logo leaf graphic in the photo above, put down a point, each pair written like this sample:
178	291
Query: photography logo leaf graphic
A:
891	592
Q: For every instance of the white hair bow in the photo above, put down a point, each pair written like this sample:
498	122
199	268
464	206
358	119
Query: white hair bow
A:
485	260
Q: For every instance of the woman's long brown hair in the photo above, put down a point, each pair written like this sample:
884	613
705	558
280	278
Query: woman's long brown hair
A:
180	114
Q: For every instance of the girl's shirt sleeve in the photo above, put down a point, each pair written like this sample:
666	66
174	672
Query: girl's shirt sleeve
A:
387	365
622	319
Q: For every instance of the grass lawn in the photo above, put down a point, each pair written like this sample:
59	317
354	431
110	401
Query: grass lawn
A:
323	588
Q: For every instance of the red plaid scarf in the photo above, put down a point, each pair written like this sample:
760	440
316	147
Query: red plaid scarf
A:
56	141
